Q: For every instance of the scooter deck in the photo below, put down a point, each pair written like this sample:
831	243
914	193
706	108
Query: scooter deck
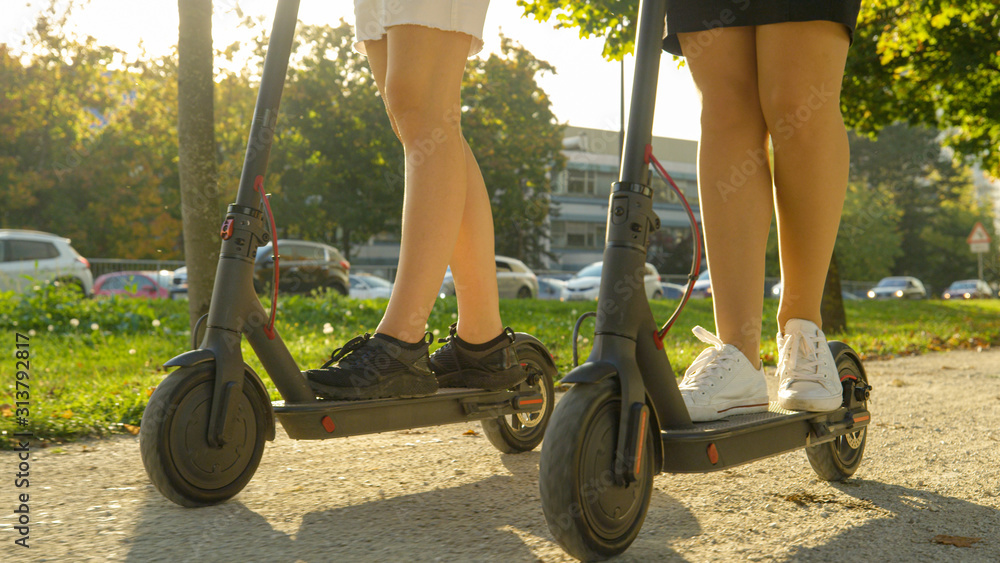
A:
717	445
331	419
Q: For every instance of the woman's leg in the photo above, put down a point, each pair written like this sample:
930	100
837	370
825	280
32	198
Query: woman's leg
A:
421	87
800	68
734	179
472	262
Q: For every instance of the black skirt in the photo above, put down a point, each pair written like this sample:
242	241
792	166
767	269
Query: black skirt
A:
701	15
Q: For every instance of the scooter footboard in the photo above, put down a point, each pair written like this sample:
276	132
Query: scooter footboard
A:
714	446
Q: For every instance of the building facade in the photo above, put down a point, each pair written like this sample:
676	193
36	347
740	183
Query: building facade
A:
581	191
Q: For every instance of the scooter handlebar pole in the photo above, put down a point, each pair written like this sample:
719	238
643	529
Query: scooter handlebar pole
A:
265	115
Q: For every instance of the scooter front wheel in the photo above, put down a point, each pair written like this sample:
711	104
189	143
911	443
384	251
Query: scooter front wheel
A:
174	446
588	512
522	432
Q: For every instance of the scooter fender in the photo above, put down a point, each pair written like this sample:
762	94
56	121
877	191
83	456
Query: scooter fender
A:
201	355
591	372
524	339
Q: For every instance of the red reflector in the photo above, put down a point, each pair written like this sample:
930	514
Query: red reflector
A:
328	424
227	229
713	454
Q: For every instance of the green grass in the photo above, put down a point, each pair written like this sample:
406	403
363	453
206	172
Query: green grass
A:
93	381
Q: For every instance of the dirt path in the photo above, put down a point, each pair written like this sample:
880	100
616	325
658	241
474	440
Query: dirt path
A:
932	467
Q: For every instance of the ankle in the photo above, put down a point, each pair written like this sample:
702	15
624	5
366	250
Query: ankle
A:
477	335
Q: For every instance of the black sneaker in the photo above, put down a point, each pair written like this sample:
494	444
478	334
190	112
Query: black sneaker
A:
492	365
375	367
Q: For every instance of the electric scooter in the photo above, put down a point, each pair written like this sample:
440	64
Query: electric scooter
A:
203	431
624	420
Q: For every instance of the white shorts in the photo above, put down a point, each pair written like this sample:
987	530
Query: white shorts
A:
372	17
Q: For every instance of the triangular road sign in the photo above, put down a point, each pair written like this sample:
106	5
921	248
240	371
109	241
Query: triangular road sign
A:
979	235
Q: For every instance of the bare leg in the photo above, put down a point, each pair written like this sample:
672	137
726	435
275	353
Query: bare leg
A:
800	70
445	203
734	180
473	263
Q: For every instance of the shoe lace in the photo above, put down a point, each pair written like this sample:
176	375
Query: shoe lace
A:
709	363
798	356
353	350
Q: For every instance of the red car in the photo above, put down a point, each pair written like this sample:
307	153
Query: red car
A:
144	284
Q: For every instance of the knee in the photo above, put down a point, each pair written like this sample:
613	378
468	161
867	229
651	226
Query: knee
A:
418	112
798	109
732	110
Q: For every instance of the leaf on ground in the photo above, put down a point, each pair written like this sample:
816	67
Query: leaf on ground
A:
65	414
957	541
470	433
131	429
898	383
5	410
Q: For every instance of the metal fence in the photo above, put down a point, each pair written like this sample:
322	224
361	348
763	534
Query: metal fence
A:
101	266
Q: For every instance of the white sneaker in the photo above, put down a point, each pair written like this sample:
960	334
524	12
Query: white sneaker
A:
808	379
721	382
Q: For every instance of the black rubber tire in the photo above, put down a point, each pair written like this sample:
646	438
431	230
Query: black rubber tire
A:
591	516
514	434
839	459
524	292
174	447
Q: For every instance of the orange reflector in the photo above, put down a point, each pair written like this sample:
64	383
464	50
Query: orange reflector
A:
328	424
713	454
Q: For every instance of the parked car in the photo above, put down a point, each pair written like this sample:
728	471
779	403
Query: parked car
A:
898	287
179	283
303	267
777	288
673	290
702	286
550	288
145	284
28	258
585	285
368	286
514	280
968	289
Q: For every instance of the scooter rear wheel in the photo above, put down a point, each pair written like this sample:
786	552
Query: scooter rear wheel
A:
839	459
174	445
589	514
522	432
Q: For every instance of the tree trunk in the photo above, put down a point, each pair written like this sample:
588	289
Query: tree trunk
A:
832	309
196	143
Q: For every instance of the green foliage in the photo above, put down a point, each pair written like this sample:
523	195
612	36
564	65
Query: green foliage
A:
517	141
929	62
920	192
869	241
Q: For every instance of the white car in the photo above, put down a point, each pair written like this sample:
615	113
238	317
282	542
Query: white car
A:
367	286
586	284
30	258
515	280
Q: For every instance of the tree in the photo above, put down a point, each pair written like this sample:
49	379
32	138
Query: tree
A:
933	63
196	144
514	134
85	148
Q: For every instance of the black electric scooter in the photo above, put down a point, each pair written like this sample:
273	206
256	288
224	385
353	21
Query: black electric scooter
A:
624	420
203	431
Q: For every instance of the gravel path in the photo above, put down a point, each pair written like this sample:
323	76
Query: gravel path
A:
932	467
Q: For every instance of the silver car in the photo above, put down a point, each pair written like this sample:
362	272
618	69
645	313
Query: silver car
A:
586	284
28	258
515	280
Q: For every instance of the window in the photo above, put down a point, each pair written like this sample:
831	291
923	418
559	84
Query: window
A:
503	267
18	250
575	234
589	182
